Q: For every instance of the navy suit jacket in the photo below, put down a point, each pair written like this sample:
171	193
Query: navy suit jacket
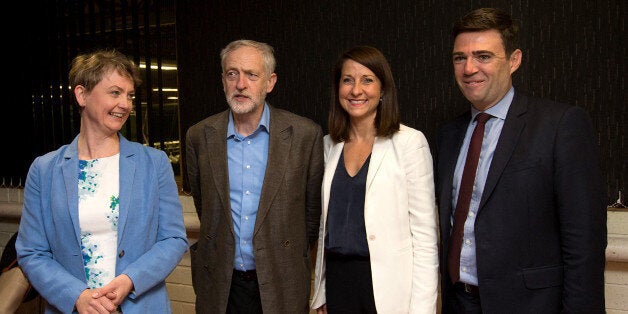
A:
541	224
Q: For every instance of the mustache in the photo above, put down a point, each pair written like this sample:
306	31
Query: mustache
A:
239	94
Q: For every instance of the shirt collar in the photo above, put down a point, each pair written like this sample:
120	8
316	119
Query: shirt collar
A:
263	124
500	110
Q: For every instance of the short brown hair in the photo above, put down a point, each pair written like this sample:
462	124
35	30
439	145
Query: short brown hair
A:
484	19
89	69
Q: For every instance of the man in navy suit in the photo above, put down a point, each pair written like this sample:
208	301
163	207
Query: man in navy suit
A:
535	236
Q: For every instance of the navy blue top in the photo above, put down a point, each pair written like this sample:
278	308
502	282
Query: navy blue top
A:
346	233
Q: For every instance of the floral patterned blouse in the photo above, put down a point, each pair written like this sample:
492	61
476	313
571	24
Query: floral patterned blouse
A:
98	190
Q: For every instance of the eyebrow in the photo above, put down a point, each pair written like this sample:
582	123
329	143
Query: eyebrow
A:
475	53
359	76
483	52
115	86
245	71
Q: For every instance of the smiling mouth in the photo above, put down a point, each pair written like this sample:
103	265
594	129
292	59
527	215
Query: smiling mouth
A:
117	115
357	102
473	82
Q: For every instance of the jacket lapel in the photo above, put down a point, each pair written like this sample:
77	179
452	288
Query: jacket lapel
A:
127	177
450	144
453	137
380	147
70	170
279	144
216	139
508	139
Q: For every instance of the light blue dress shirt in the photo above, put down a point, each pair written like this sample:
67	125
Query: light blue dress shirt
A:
468	264
247	157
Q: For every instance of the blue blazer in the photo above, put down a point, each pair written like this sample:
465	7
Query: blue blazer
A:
151	233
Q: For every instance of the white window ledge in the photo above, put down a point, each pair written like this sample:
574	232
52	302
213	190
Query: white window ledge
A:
616	250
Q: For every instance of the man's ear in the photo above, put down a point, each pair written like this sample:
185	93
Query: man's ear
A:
515	60
271	82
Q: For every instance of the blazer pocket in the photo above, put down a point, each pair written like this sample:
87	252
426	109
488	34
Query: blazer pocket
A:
543	277
521	165
294	175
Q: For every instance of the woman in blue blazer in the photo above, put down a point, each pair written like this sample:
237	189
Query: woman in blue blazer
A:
102	224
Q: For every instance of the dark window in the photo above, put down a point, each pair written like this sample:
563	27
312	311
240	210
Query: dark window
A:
143	30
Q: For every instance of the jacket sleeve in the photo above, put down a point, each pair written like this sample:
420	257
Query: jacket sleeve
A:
418	167
52	280
581	206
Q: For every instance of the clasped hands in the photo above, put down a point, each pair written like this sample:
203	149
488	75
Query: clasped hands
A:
105	300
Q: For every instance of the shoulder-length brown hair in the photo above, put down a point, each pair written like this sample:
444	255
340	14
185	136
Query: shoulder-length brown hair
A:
387	116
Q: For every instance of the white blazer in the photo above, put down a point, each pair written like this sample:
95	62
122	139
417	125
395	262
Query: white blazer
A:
401	223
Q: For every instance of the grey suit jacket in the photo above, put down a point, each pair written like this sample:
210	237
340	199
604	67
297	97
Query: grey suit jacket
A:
287	220
541	224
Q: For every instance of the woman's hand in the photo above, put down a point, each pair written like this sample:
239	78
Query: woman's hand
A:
89	302
115	291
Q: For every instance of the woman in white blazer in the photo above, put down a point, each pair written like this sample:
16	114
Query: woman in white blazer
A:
377	246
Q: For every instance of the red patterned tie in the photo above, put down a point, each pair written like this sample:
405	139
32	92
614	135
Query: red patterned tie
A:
464	196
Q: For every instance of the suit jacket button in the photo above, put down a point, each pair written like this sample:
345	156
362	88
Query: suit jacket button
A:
286	243
121	254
